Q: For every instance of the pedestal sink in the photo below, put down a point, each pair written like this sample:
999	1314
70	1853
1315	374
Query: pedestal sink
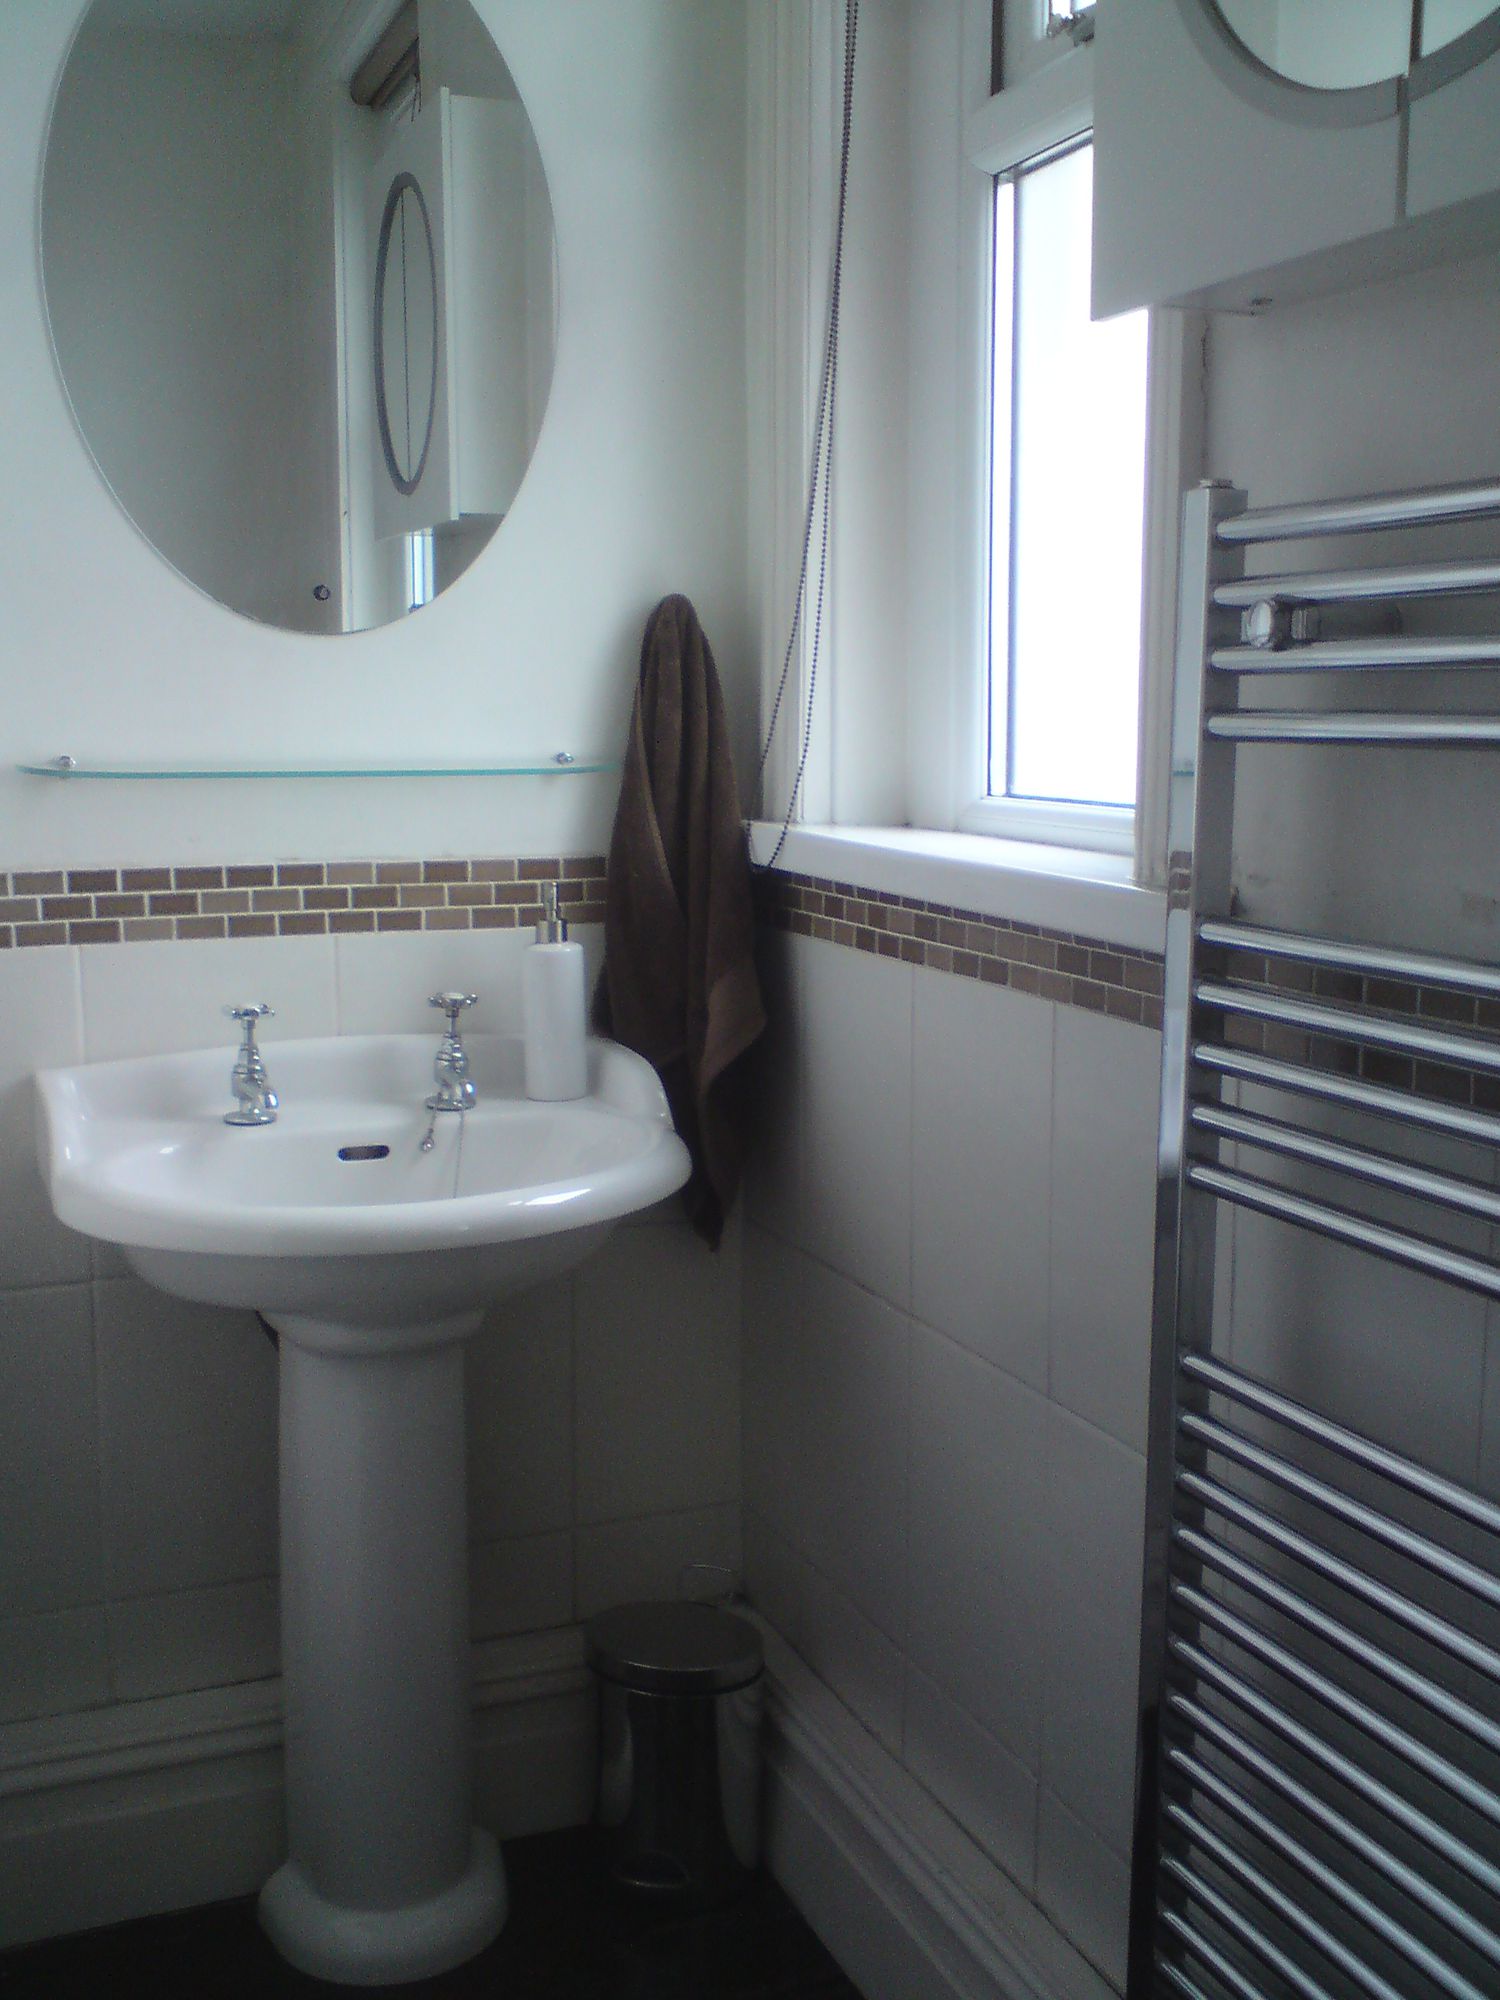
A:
374	1260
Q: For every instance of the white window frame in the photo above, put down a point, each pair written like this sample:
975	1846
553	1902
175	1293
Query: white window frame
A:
1051	107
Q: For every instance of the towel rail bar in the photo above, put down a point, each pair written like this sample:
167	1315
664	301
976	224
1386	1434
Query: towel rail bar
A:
1242	1388
1425	507
1318	1750
1318	1799
1340	1024
1458	732
1342	1225
1421	968
1281	1472
1291	1913
1354	1647
1439	1632
1389	655
1242	1929
1378	1169
1338	1826
1433	1114
1358	586
1337	1887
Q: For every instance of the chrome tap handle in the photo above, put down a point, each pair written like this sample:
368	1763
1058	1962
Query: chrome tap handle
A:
256	1102
450	1066
453	1005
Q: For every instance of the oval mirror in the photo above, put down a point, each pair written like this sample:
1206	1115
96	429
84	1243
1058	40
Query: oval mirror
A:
299	270
1346	44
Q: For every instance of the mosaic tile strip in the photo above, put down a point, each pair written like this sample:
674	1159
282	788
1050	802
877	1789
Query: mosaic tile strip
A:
1383	999
1055	965
290	898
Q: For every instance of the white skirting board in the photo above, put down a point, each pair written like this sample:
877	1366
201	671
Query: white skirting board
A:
909	1905
146	1806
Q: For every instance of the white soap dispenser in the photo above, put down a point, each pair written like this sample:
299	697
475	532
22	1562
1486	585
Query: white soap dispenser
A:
553	1009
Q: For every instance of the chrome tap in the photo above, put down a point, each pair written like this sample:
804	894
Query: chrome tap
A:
450	1066
257	1103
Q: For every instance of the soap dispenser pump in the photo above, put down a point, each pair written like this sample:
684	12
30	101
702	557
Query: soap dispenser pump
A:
553	1008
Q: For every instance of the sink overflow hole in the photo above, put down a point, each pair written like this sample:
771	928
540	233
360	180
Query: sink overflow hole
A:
364	1152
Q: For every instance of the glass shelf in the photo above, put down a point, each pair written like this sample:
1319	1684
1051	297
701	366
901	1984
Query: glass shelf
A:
559	766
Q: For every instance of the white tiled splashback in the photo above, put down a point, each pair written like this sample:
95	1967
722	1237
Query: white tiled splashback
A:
946	1320
138	1433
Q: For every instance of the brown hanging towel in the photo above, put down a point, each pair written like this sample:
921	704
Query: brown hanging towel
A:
679	983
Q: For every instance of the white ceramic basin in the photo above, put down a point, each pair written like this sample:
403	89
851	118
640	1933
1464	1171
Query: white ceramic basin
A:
373	1260
335	1212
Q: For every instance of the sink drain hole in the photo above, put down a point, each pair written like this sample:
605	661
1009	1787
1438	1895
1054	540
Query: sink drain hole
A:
364	1152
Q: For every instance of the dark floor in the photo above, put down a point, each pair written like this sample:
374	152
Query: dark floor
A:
570	1936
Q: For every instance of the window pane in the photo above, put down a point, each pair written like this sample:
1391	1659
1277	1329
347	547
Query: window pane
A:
1077	486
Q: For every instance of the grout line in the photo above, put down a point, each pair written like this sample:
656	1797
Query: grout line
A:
111	1680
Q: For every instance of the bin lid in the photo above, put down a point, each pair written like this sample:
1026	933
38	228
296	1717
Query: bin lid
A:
674	1648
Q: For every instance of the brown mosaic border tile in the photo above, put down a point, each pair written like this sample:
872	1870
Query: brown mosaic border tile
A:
53	906
1074	971
1383	999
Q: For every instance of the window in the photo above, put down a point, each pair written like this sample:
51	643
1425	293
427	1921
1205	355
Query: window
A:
1068	17
1067	499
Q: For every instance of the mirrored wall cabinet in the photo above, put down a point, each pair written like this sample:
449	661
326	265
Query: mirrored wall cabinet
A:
1250	150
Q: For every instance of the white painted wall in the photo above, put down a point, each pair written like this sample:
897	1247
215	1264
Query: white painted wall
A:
636	489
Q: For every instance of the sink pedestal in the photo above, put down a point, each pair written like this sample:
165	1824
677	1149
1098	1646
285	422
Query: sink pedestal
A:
387	1878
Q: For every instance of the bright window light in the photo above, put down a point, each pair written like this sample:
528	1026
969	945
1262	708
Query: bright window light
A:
1068	487
420	588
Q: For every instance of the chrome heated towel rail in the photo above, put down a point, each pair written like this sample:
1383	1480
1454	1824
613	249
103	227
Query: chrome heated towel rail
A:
1318	1797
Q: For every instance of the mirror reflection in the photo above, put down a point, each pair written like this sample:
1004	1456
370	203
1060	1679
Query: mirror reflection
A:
298	260
1340	44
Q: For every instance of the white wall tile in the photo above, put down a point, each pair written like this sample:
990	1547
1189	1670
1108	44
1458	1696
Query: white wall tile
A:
855	1658
625	1562
989	1793
519	1412
773	1177
856	1134
1103	1219
520	1585
657	1374
52	1662
982	1144
166	1644
152	999
1095	1514
187	1422
826	1423
1083	1886
980	1546
775	1576
49	1480
41	1027
849	1654
386	979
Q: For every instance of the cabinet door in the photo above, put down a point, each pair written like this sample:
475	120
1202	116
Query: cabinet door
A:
1455	141
1210	191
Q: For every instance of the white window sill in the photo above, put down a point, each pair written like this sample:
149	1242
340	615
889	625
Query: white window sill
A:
1061	888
